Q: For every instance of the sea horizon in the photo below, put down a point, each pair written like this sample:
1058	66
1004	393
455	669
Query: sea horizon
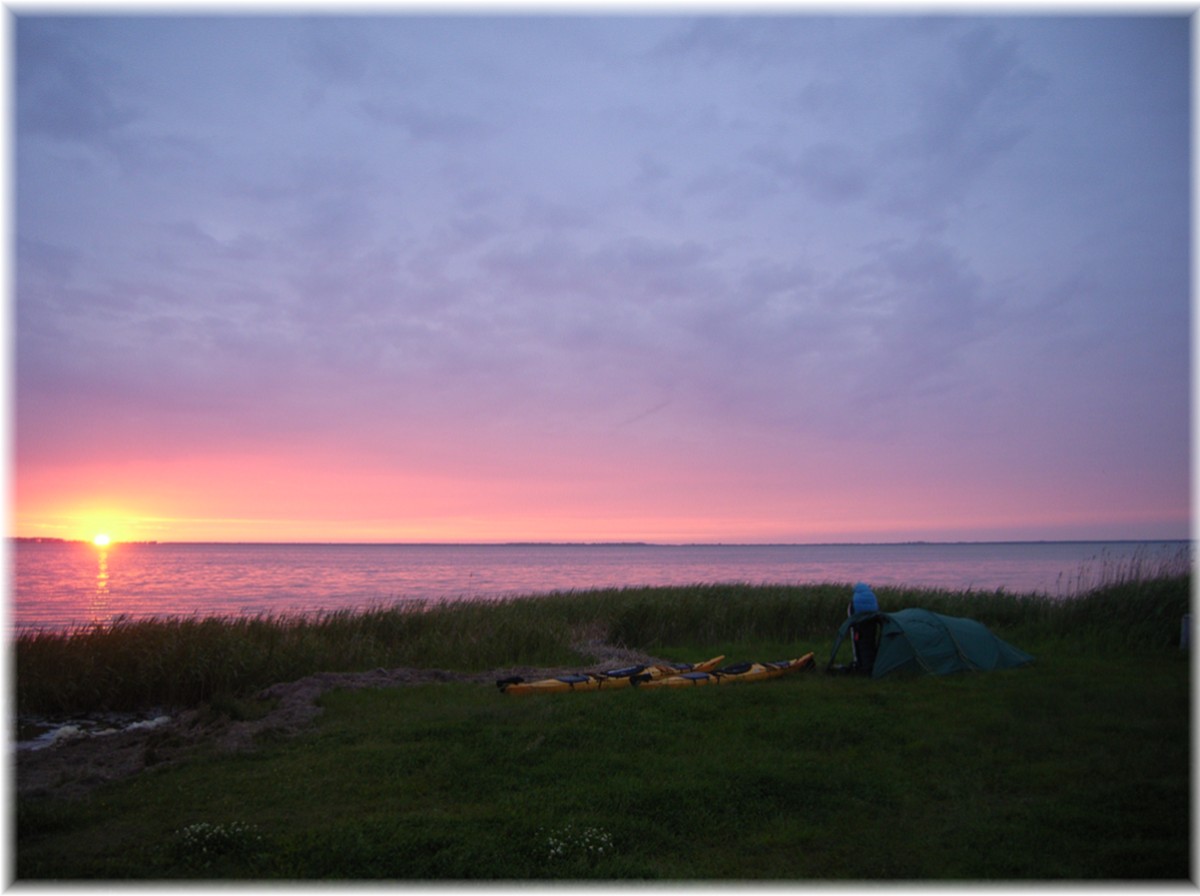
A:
37	539
59	583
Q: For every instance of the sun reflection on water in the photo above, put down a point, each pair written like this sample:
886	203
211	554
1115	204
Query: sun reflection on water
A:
98	611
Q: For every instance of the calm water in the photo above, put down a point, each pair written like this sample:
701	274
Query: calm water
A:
62	585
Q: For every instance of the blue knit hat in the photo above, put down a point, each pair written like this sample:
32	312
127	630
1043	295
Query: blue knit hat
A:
863	600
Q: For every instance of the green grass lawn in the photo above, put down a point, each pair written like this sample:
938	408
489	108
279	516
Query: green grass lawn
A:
1076	767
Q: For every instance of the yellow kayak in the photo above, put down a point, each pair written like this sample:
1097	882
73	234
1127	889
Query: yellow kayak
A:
597	681
741	673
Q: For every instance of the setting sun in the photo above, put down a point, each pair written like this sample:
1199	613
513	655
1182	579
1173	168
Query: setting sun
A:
101	540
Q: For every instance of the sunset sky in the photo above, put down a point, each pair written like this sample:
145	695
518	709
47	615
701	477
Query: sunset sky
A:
780	278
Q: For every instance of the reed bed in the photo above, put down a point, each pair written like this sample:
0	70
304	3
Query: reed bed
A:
1106	570
138	664
132	664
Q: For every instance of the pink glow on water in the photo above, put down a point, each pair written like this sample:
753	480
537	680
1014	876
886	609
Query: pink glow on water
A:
60	585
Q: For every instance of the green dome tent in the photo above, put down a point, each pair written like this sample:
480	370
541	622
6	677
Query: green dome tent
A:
916	640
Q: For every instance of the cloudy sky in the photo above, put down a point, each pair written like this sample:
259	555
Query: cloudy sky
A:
778	278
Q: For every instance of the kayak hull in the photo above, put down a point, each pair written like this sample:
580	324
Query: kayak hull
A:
603	681
751	672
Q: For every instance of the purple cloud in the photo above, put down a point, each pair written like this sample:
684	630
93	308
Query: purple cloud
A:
771	229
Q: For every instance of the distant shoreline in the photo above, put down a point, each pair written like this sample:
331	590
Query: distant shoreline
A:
609	544
42	540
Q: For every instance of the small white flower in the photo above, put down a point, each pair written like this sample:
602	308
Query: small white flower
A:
570	842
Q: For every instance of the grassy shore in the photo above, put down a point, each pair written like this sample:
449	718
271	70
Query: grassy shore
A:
1076	767
140	664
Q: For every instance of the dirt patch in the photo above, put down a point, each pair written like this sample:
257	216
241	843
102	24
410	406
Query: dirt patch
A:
74	767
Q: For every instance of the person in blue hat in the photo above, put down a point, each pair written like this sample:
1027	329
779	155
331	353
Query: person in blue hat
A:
864	635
